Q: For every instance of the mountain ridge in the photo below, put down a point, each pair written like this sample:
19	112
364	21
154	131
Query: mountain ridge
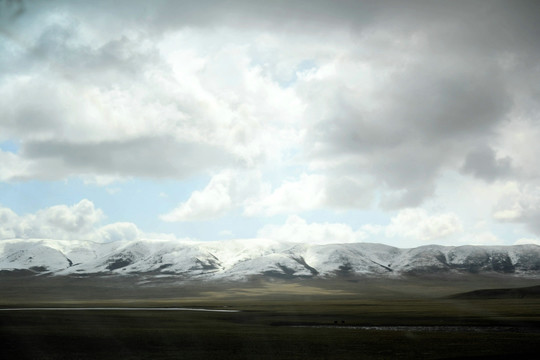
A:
241	259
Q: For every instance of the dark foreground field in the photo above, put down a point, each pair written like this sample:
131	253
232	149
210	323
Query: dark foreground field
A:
277	320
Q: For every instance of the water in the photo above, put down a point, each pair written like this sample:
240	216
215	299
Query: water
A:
118	309
432	328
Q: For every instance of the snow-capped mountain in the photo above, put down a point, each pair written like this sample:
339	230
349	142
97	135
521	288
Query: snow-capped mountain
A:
241	259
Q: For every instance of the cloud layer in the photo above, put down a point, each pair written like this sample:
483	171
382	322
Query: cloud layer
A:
286	107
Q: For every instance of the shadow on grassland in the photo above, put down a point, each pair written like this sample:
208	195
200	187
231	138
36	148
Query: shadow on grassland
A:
265	326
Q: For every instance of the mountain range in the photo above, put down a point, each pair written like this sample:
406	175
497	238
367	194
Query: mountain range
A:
242	259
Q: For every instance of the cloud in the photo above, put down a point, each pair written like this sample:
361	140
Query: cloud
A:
77	222
527	241
12	166
518	140
59	222
485	239
225	191
118	232
398	103
482	163
297	229
229	190
77	218
147	157
419	225
399	115
519	204
307	193
8	219
310	192
209	203
126	105
332	106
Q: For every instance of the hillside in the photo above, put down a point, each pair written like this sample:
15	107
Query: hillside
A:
242	259
515	293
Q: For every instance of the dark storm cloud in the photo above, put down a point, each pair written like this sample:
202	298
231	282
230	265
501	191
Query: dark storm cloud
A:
482	163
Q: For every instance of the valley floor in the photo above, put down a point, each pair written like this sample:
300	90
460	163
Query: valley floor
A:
276	320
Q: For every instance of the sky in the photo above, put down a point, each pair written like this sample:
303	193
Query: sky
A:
400	122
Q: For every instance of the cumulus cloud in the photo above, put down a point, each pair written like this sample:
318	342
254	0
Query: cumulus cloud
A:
310	192
57	222
118	232
419	225
297	229
77	222
225	191
246	190
307	193
123	105
12	166
209	203
80	217
485	238
527	241
519	204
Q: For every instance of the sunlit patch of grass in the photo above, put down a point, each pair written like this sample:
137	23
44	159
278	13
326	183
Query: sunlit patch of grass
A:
281	289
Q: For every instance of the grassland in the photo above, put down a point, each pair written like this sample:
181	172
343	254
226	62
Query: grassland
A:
277	320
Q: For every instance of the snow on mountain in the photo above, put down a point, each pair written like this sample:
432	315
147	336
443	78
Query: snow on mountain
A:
232	252
240	259
30	255
346	259
276	264
421	259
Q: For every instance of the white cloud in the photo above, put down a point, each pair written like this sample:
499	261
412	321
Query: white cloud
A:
485	238
527	241
297	229
77	222
118	232
419	225
8	220
12	166
122	107
519	203
311	192
306	193
225	191
229	190
214	200
78	218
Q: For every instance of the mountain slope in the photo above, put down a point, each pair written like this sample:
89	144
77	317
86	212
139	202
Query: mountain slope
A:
240	259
